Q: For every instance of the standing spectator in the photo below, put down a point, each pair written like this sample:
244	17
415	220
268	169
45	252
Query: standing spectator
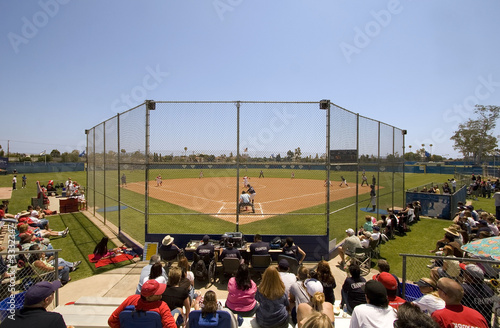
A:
288	278
376	313
24	180
352	289
349	246
187	277
146	270
14	182
68	183
453	184
496	196
430	301
148	300
455	314
258	247
327	280
477	295
290	249
391	284
34	312
273	300
241	293
316	303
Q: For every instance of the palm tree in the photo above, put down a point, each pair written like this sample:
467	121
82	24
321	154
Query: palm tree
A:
185	152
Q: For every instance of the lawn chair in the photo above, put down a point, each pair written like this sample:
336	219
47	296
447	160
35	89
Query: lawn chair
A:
130	318
260	263
362	257
293	263
221	319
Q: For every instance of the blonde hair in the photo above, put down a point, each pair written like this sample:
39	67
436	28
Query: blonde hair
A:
317	301
271	285
174	276
22	228
447	250
209	303
317	320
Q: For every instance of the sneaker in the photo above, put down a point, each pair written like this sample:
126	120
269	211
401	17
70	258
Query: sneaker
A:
66	230
430	266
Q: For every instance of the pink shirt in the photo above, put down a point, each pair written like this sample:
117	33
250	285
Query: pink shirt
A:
240	300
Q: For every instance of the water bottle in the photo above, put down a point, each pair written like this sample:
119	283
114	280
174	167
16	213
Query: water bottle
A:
344	311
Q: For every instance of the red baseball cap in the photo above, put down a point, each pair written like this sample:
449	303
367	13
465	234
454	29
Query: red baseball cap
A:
152	287
387	279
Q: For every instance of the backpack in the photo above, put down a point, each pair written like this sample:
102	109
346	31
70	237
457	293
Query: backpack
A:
200	270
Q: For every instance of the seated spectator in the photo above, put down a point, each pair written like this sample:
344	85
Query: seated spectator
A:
156	273
391	284
298	293
455	314
411	316
452	234
209	308
325	276
383	266
430	301
273	300
288	278
101	250
376	235
492	225
258	247
43	265
450	268
317	320
187	277
365	239
482	227
205	248
290	249
316	303
148	300
349	246
352	289
477	295
146	271
176	296
167	245
241	293
34	312
377	312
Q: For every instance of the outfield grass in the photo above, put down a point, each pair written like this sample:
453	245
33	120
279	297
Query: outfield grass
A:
84	235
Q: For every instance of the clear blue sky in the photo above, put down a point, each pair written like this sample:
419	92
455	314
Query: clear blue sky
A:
417	65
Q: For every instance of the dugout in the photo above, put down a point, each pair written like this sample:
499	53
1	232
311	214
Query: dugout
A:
436	205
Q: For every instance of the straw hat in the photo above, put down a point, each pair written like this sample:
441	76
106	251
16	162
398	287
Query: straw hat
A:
167	240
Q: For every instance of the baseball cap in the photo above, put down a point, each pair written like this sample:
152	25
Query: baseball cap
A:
375	291
152	287
313	286
350	232
426	282
473	270
40	291
377	228
484	222
206	238
387	280
283	264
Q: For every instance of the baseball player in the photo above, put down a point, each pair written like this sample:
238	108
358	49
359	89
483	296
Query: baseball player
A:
245	181
261	174
159	182
292	176
344	181
326	182
201	174
251	192
364	179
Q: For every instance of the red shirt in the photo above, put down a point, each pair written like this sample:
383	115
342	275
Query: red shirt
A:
161	307
459	316
395	301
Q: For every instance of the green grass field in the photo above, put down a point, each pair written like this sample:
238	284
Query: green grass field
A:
84	235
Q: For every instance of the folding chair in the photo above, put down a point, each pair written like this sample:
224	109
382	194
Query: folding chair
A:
375	247
230	265
412	292
130	318
260	263
293	263
168	255
221	319
362	257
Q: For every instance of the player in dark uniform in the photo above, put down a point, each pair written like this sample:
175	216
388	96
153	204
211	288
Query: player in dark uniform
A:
364	179
251	192
259	247
230	251
292	250
205	248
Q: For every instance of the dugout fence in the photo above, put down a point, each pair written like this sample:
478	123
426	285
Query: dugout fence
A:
177	167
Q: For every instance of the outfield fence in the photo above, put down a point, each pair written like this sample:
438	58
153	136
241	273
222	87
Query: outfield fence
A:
176	167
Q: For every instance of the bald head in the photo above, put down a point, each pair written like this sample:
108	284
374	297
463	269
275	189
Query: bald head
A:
450	291
154	259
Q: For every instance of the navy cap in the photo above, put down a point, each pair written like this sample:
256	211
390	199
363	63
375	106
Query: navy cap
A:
40	291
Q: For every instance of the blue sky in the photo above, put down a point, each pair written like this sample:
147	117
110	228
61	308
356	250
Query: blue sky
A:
417	65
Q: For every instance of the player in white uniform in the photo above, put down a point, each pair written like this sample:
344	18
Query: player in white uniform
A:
245	181
159	181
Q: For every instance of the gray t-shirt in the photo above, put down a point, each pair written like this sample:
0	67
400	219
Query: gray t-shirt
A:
350	244
299	292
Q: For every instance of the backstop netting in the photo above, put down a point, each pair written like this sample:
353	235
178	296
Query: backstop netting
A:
181	168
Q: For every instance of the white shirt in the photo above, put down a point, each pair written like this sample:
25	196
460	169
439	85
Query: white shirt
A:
370	316
160	279
288	279
429	303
